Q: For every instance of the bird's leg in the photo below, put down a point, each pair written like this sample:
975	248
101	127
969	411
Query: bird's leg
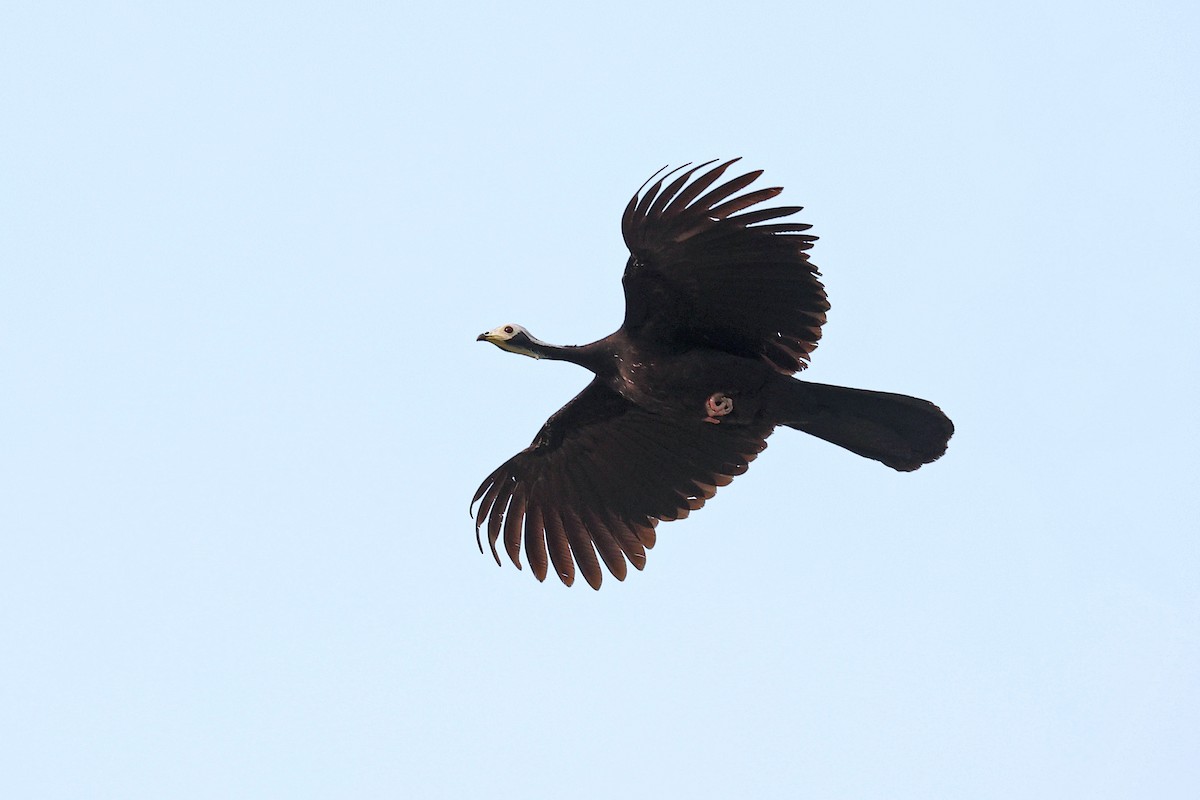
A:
718	405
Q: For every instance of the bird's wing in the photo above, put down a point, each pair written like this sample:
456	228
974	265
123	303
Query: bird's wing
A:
599	476
702	274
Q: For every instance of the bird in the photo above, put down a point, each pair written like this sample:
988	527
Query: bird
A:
722	308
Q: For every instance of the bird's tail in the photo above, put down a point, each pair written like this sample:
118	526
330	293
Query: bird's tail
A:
900	431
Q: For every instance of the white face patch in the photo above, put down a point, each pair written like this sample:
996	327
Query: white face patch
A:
506	332
514	339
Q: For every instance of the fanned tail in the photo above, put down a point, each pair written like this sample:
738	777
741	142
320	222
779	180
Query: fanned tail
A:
900	431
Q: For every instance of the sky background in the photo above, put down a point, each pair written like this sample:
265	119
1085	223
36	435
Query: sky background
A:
245	250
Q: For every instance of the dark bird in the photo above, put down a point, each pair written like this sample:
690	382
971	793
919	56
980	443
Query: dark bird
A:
722	305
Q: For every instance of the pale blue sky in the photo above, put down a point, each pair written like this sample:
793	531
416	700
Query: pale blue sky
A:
245	250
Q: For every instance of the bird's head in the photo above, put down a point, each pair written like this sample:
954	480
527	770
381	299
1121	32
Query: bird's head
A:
514	339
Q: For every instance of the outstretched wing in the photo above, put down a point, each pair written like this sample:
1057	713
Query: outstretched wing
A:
701	274
599	476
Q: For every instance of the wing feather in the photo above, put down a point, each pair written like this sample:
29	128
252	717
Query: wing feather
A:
665	197
684	199
514	517
583	549
494	520
535	540
558	544
630	545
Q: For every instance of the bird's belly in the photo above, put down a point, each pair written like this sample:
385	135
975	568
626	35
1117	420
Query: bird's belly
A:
681	385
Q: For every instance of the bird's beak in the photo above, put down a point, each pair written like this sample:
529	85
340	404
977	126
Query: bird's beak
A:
483	337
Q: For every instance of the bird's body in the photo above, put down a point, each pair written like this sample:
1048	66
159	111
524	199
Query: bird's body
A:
720	309
676	381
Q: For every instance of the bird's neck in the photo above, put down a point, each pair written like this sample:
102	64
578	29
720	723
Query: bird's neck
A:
590	356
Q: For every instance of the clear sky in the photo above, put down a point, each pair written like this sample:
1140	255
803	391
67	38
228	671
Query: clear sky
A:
245	250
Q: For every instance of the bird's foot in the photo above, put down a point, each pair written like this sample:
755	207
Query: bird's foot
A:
718	405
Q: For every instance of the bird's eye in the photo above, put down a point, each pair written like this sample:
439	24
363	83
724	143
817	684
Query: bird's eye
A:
508	329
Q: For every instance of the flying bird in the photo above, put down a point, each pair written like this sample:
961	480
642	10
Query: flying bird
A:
722	306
